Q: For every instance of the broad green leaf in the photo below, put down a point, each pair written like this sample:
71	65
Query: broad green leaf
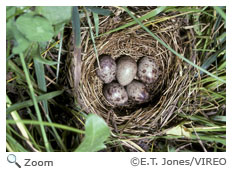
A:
18	11
58	28
98	10
35	28
10	10
96	132
56	14
9	25
20	43
9	30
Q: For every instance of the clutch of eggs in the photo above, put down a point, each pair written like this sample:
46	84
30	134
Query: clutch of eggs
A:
120	74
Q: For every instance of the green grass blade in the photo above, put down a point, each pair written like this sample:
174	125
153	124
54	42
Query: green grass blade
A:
33	122
212	58
219	118
32	143
192	9
40	74
170	49
206	129
96	23
19	72
28	103
57	137
221	12
76	26
25	69
200	119
39	69
210	139
22	128
59	54
98	10
150	14
14	144
92	36
45	61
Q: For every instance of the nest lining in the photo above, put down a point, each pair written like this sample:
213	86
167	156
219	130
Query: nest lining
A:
136	43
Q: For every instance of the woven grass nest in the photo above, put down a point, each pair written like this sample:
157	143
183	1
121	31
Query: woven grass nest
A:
174	76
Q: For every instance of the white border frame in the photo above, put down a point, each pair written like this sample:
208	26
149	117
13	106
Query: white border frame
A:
112	161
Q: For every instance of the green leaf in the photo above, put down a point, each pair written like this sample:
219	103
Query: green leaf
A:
221	12
100	11
96	132
150	14
212	59
197	26
33	96
40	75
76	26
210	139
35	28
91	33
219	118
36	122
9	30
56	14
15	144
10	10
96	22
58	28
44	61
28	103
39	71
20	43
9	25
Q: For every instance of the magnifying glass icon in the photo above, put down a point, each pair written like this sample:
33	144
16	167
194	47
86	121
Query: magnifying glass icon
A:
11	158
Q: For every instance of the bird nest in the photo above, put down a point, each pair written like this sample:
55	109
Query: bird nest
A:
171	86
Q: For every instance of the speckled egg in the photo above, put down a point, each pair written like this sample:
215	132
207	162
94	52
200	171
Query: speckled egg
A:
126	70
115	94
136	91
107	72
147	70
